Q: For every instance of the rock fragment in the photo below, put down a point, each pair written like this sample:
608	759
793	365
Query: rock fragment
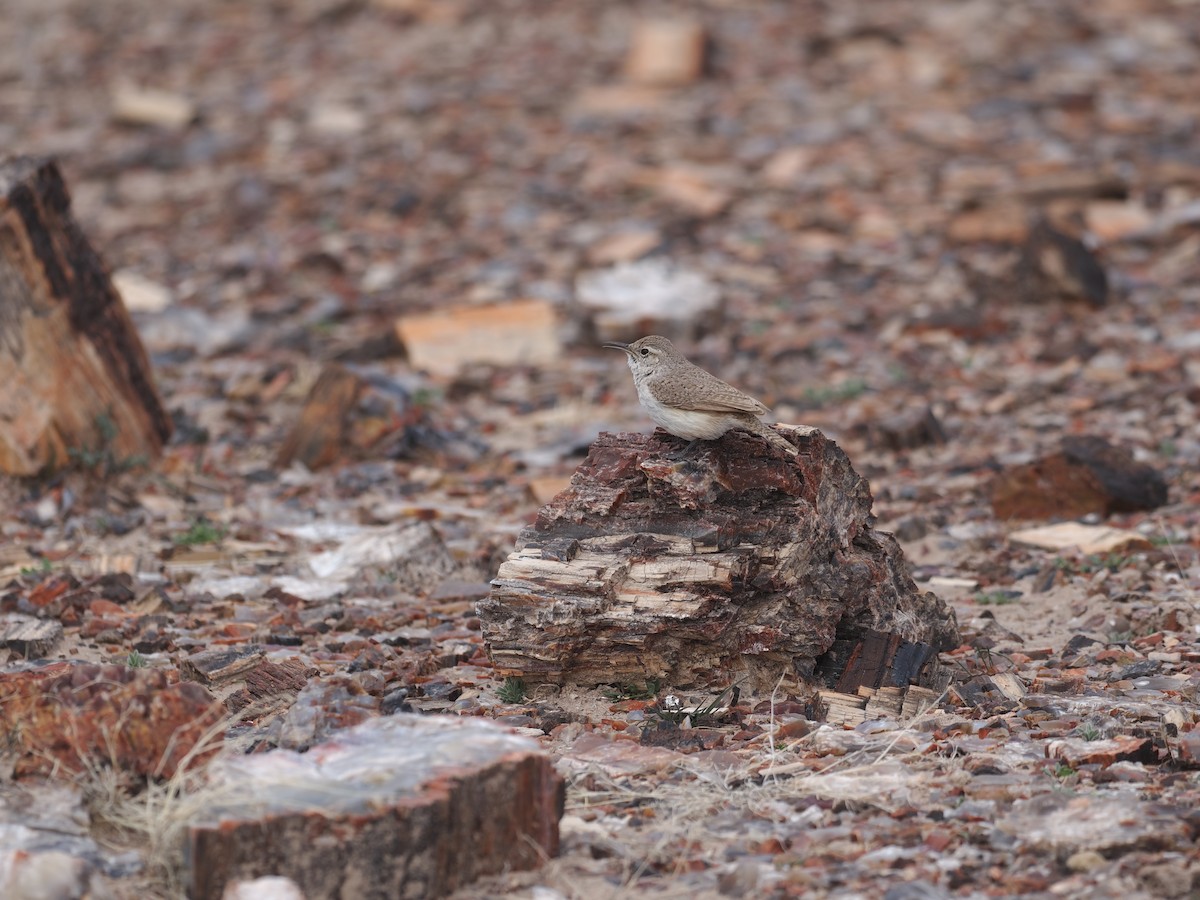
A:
1088	539
141	723
521	333
724	563
78	383
651	295
1064	825
1056	265
665	52
407	806
30	638
1087	475
135	105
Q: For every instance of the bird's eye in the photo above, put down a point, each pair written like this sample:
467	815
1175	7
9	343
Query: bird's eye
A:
645	352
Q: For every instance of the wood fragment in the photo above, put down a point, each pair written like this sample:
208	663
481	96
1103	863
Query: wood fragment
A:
917	699
78	385
666	52
521	333
843	709
224	664
30	638
318	438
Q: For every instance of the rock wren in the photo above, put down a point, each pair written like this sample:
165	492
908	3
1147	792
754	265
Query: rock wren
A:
687	401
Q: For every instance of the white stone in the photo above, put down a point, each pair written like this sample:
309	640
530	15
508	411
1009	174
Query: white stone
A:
636	298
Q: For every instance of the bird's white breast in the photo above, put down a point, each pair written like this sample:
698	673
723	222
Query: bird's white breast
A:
688	424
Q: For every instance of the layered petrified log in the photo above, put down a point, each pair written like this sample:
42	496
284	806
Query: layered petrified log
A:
723	562
77	383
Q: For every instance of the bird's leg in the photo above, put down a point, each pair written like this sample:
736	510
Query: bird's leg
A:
685	453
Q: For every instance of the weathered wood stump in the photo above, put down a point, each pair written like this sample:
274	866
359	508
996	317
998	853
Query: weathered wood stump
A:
722	563
77	383
399	806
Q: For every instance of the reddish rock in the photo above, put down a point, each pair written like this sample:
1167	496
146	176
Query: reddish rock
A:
689	566
73	717
1087	475
405	806
270	680
49	598
102	607
1078	752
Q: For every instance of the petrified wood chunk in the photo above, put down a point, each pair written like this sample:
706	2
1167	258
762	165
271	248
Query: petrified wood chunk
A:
1087	475
76	379
318	438
403	806
76	717
702	567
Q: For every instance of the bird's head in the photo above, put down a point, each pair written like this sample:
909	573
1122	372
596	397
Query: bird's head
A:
646	354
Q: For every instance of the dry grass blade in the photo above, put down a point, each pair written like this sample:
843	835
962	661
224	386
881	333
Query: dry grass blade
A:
153	818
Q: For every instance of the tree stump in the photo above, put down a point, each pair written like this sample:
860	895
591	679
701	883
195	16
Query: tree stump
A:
706	566
77	383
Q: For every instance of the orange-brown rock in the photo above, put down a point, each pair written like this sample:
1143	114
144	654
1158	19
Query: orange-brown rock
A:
1087	475
78	385
72	718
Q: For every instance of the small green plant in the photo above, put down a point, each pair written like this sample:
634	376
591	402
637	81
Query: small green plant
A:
671	710
41	568
995	598
425	397
100	458
1114	562
201	532
1094	562
512	691
135	660
1088	732
631	691
1062	771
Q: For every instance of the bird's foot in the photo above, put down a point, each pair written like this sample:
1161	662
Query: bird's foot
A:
687	452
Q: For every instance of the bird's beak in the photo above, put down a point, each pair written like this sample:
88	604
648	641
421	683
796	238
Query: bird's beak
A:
616	345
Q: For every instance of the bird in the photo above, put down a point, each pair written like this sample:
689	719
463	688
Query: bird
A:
688	402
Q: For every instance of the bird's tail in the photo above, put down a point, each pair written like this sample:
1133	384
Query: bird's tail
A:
772	437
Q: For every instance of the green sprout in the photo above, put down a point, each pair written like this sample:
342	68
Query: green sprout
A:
630	690
201	532
512	691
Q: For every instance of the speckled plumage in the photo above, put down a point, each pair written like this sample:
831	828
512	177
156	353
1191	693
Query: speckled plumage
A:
687	401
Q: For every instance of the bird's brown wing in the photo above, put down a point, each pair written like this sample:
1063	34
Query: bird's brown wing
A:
698	390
